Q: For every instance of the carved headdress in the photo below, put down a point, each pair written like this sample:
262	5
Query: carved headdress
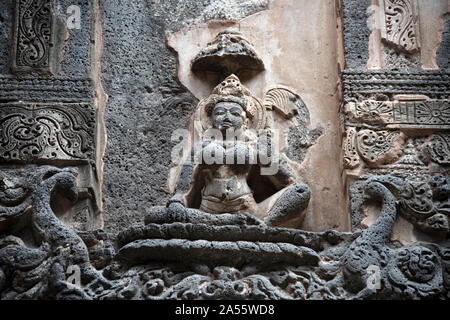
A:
231	90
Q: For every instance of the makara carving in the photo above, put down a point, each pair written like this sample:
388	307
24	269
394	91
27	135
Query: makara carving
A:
423	202
208	256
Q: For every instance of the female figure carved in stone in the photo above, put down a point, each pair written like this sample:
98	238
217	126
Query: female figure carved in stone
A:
235	178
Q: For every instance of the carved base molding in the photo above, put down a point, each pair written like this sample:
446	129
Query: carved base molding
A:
215	259
361	85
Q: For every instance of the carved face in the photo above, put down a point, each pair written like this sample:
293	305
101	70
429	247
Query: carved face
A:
227	115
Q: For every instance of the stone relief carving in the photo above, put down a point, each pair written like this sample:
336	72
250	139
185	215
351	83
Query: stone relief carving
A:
377	147
401	27
39	89
421	201
31	132
228	53
47	119
367	85
233	181
36	270
426	113
34	36
351	156
439	148
394	59
219	237
399	33
211	256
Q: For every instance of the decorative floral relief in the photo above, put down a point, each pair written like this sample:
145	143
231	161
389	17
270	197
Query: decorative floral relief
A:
401	24
439	148
425	113
46	131
34	32
375	146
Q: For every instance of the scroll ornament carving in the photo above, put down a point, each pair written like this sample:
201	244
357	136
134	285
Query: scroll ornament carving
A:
47	131
373	147
401	24
377	147
439	148
34	35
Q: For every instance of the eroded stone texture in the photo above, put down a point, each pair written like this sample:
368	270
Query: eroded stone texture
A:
443	52
396	153
396	123
206	258
50	98
146	101
356	32
281	32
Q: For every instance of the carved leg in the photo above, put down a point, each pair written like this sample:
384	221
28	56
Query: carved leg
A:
176	212
289	205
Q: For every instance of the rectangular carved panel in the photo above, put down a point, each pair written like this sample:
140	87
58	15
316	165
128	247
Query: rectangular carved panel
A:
426	114
33	36
401	24
34	132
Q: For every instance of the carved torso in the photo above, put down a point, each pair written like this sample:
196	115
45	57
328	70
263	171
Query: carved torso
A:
226	189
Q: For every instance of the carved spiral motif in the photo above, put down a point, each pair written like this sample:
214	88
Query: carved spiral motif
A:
439	148
30	132
418	198
400	20
358	258
34	33
374	145
432	113
418	264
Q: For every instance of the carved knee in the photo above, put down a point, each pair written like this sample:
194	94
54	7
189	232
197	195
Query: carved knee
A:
290	205
156	214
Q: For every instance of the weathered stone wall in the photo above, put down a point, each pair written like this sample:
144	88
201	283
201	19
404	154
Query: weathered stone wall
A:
358	90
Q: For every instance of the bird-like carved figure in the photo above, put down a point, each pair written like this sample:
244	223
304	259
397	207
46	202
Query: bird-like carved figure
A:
370	248
58	246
